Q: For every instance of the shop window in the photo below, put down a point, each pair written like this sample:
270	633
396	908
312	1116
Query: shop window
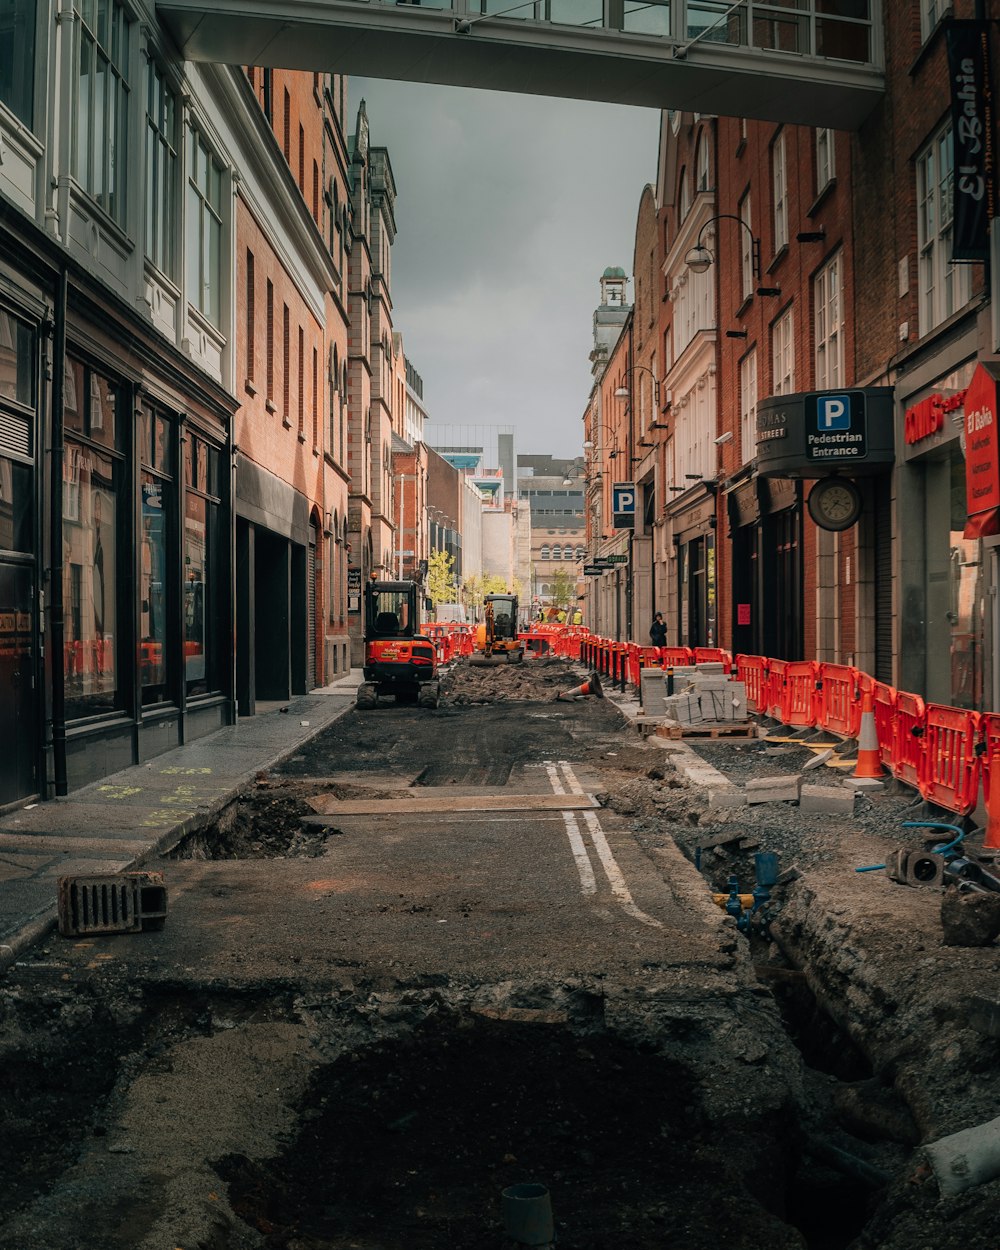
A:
93	540
17	59
15	506
17	360
100	164
203	568
157	557
161	171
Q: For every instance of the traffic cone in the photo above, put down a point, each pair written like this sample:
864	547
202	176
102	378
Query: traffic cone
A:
869	764
591	686
991	837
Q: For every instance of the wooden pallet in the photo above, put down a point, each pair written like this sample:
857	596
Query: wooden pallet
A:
741	731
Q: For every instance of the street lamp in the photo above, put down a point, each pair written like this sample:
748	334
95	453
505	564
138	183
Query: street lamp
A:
624	393
699	258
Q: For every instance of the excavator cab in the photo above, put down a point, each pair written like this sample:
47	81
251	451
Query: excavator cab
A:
496	638
399	659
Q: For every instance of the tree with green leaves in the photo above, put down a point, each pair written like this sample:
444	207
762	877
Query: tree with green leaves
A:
441	577
562	589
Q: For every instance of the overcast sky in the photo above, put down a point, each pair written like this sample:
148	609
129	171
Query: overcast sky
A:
509	208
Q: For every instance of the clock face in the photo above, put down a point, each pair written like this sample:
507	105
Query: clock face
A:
834	503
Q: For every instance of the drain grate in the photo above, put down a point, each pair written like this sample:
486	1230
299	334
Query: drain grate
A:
122	903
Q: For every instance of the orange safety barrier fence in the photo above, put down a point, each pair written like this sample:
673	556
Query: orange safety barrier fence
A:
798	704
776	688
839	708
908	738
885	721
989	725
676	657
752	670
950	774
713	655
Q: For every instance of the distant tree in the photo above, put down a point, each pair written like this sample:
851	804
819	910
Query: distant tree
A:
562	588
472	591
494	584
441	577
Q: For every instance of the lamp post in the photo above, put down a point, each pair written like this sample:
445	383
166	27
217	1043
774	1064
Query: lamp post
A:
699	257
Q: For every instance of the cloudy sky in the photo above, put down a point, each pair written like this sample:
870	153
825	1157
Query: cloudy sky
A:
509	209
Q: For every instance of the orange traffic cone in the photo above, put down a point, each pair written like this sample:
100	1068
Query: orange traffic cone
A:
991	838
591	686
869	765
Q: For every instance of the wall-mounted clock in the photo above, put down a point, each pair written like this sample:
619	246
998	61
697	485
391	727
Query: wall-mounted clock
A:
834	503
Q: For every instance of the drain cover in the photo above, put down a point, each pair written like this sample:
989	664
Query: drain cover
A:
120	903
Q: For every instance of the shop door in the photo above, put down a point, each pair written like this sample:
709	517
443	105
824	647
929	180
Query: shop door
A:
17	684
311	610
782	590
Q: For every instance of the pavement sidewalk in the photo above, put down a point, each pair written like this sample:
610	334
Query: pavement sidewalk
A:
121	821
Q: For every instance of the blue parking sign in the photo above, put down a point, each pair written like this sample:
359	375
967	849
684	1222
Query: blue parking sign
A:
623	505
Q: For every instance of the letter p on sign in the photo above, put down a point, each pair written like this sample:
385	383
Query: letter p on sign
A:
833	413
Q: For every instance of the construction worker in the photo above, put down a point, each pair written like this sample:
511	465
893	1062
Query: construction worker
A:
577	617
561	617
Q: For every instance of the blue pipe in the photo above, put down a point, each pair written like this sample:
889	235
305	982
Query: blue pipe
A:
939	849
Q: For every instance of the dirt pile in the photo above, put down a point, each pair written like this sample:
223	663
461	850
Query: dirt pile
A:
533	680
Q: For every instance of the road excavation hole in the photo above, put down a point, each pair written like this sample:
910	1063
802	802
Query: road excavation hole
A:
823	1044
409	1144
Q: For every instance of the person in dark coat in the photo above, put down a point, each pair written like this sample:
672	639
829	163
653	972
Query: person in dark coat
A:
658	631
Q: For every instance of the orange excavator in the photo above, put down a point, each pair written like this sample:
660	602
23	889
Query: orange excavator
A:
399	659
496	639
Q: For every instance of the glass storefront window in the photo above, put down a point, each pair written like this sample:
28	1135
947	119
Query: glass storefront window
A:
90	592
154	564
17	360
954	589
15	506
202	565
91	404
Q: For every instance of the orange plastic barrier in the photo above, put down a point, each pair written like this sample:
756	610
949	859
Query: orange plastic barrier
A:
798	704
950	775
885	721
908	746
676	657
776	688
839	709
713	655
753	671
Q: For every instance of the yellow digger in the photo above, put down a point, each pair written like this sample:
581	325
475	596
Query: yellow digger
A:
496	640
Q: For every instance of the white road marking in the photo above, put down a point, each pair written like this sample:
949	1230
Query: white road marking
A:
588	882
616	880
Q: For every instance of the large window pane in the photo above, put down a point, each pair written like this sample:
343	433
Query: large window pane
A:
17	57
154	568
202	568
17	360
102	105
15	506
90	593
161	170
204	226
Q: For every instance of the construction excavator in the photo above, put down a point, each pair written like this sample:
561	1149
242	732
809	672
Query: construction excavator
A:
496	640
399	659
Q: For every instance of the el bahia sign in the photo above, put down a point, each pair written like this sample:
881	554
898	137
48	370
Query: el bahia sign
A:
815	433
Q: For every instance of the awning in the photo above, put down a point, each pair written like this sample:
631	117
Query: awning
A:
983	524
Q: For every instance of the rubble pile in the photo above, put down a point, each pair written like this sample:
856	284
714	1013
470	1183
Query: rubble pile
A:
530	681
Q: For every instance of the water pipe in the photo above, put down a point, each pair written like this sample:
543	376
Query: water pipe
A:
939	849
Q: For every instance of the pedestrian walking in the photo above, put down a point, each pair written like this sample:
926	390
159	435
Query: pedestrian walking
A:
658	631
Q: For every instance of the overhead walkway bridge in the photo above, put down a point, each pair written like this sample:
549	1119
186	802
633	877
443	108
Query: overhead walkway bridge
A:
814	62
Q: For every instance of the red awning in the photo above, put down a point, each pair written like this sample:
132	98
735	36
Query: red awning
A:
983	524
